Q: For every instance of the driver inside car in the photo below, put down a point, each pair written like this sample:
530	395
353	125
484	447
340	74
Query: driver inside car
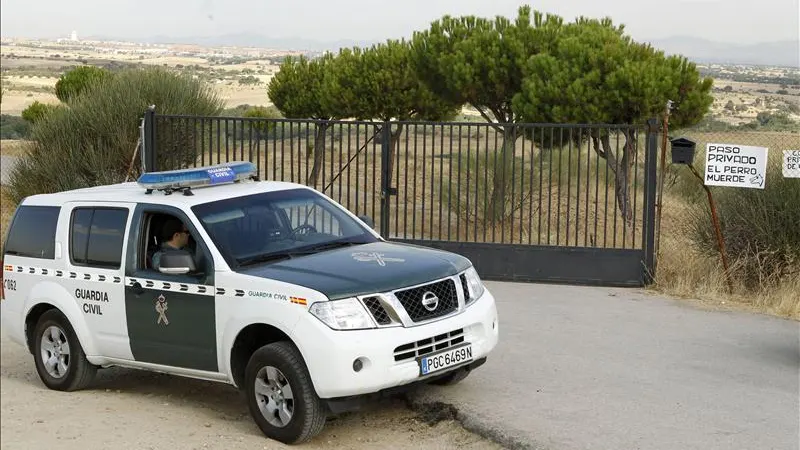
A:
174	236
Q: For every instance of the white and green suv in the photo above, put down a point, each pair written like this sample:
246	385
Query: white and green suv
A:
212	274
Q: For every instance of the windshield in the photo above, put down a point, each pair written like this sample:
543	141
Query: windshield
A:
272	226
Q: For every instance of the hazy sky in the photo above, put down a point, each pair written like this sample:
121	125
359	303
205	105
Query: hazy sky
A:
735	21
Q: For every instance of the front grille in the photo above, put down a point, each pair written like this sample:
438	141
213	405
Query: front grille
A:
377	310
434	344
412	300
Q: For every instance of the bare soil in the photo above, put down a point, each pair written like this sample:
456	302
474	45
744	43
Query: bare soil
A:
130	409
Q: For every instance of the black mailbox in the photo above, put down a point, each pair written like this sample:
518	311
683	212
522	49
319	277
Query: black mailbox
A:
682	150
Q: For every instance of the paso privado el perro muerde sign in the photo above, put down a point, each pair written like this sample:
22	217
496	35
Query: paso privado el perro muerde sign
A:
736	166
791	163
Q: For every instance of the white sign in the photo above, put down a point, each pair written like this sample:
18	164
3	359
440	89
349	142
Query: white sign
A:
791	163
736	166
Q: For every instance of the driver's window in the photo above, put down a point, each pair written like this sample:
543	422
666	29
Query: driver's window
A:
164	233
313	218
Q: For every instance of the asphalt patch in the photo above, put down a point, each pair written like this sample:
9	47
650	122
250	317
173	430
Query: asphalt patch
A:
433	413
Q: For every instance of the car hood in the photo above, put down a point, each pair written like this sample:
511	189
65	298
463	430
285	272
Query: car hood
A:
363	269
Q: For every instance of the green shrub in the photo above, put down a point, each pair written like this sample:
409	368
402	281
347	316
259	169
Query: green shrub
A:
36	111
261	127
761	229
13	127
92	141
71	84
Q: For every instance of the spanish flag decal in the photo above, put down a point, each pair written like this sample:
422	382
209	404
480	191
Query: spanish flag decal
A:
298	300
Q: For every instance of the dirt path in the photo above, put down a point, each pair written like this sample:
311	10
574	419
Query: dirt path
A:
127	409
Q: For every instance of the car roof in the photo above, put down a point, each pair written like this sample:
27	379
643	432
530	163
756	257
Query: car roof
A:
132	192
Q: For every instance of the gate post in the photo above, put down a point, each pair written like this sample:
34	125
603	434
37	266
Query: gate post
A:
149	140
386	139
651	184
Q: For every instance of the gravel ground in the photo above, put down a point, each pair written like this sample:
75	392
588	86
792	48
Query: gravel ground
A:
129	409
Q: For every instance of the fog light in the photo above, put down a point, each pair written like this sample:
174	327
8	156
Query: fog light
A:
358	365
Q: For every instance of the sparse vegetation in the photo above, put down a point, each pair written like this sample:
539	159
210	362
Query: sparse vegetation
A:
760	230
80	79
93	141
261	128
13	127
759	227
37	111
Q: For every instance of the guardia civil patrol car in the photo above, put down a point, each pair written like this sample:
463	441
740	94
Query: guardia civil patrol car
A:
213	274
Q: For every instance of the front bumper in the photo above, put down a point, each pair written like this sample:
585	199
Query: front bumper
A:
330	354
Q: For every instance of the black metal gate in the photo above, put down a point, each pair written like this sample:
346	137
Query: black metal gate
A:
525	202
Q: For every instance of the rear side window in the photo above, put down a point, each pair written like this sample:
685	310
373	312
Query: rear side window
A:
97	236
33	232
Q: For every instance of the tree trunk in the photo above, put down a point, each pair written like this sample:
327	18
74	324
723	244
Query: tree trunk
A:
620	167
394	148
319	150
502	175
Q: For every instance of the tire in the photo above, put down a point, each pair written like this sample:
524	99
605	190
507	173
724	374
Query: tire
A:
55	338
280	364
451	378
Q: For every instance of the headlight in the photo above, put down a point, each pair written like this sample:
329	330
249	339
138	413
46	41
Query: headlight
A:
347	314
474	283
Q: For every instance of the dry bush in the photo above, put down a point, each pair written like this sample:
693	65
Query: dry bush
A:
92	141
7	208
770	284
761	229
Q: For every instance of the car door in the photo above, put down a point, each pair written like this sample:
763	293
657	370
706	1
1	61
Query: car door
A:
92	271
171	318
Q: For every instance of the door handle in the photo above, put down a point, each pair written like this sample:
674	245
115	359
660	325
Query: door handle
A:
137	288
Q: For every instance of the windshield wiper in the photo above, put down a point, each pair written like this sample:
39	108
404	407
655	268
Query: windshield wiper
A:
270	257
267	257
327	246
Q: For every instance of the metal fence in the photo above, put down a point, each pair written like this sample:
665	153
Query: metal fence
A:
534	202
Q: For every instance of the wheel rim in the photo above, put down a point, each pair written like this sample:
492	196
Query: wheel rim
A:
55	351
274	396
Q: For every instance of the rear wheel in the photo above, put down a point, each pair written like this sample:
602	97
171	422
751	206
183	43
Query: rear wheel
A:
59	357
280	395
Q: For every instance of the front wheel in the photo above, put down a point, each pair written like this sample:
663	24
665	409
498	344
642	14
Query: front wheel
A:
60	360
280	395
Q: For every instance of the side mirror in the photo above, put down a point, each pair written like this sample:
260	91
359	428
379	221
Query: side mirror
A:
367	220
178	262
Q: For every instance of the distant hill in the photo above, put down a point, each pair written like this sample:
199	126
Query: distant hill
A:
248	40
780	53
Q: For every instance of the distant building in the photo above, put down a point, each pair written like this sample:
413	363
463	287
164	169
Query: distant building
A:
74	36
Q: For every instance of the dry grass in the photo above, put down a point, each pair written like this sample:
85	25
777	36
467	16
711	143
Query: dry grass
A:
685	273
7	208
11	147
557	197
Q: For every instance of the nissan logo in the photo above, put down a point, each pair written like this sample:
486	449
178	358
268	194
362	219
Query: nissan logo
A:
430	301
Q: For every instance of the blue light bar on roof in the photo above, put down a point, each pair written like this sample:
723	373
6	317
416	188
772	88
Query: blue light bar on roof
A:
198	176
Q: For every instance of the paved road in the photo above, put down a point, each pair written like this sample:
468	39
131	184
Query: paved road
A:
6	163
588	368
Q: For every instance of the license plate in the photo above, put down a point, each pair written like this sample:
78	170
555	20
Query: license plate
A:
439	361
